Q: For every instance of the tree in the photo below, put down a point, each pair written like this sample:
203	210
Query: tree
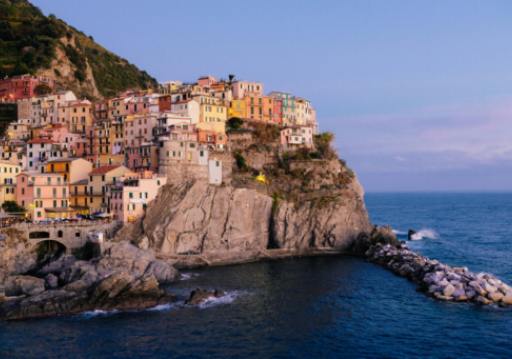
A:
12	207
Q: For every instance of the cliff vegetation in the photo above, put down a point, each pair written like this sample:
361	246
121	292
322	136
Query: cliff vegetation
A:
31	42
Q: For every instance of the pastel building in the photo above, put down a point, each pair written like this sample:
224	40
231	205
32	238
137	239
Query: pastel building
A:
138	129
213	115
8	173
43	195
23	86
129	198
295	137
99	178
72	169
77	115
241	89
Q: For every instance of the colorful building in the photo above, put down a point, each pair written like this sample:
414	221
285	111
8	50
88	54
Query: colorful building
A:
295	137
99	178
43	195
129	198
241	89
23	86
8	173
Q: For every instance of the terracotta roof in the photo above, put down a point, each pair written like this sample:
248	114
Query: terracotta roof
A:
103	169
81	182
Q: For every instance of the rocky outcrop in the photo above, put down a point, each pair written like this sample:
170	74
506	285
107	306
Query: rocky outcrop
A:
438	280
125	277
198	223
17	255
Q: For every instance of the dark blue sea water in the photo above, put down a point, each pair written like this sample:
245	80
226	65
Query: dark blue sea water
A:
327	307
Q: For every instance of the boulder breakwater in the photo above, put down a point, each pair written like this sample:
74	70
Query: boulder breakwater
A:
438	280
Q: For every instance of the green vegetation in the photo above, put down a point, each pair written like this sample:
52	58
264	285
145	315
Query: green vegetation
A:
240	161
12	207
233	124
8	114
29	42
27	38
323	146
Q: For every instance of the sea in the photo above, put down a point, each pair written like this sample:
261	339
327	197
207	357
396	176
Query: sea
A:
321	307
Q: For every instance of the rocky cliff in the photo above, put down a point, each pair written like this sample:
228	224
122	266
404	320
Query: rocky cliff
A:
310	207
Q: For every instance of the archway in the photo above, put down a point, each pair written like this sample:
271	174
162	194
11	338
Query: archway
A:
49	251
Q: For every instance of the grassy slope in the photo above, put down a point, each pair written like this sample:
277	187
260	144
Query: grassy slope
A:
28	41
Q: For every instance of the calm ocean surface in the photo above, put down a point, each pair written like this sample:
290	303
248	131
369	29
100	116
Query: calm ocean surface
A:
317	307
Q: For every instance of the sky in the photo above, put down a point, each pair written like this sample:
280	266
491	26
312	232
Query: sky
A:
418	93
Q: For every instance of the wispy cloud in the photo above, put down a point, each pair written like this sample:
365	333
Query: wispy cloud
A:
430	139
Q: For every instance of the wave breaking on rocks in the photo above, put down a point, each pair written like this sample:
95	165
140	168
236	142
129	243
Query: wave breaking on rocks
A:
438	280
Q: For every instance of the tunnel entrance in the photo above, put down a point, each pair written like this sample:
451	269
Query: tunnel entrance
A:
49	251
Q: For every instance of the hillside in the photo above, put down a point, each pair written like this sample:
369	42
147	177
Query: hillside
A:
31	42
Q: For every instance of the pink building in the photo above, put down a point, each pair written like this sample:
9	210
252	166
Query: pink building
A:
143	157
43	195
206	81
241	89
138	129
128	199
19	87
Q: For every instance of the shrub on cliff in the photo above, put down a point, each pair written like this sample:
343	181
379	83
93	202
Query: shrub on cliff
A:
323	145
241	164
233	124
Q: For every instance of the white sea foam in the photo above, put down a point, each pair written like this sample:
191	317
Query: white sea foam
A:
399	233
187	276
98	313
424	233
227	298
161	307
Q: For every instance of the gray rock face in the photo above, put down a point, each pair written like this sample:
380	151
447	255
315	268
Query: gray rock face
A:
23	285
124	277
229	224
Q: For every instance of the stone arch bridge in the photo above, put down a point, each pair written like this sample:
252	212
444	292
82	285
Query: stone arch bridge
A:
71	235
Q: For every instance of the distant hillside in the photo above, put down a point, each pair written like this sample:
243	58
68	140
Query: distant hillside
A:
45	45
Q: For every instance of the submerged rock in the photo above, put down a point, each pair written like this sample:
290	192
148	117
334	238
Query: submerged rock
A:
199	296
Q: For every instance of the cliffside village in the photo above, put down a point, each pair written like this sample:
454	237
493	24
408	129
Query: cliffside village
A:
67	157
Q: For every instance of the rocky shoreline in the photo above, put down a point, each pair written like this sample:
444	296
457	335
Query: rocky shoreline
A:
124	277
438	280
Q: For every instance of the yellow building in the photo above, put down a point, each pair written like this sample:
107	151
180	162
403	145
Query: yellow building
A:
213	115
73	169
99	178
77	115
237	108
8	173
79	196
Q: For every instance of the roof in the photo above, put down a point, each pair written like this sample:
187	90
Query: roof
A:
69	159
103	169
81	182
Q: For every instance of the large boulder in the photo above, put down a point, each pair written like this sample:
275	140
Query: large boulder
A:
24	285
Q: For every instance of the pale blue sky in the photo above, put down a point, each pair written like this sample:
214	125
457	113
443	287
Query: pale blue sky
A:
418	93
